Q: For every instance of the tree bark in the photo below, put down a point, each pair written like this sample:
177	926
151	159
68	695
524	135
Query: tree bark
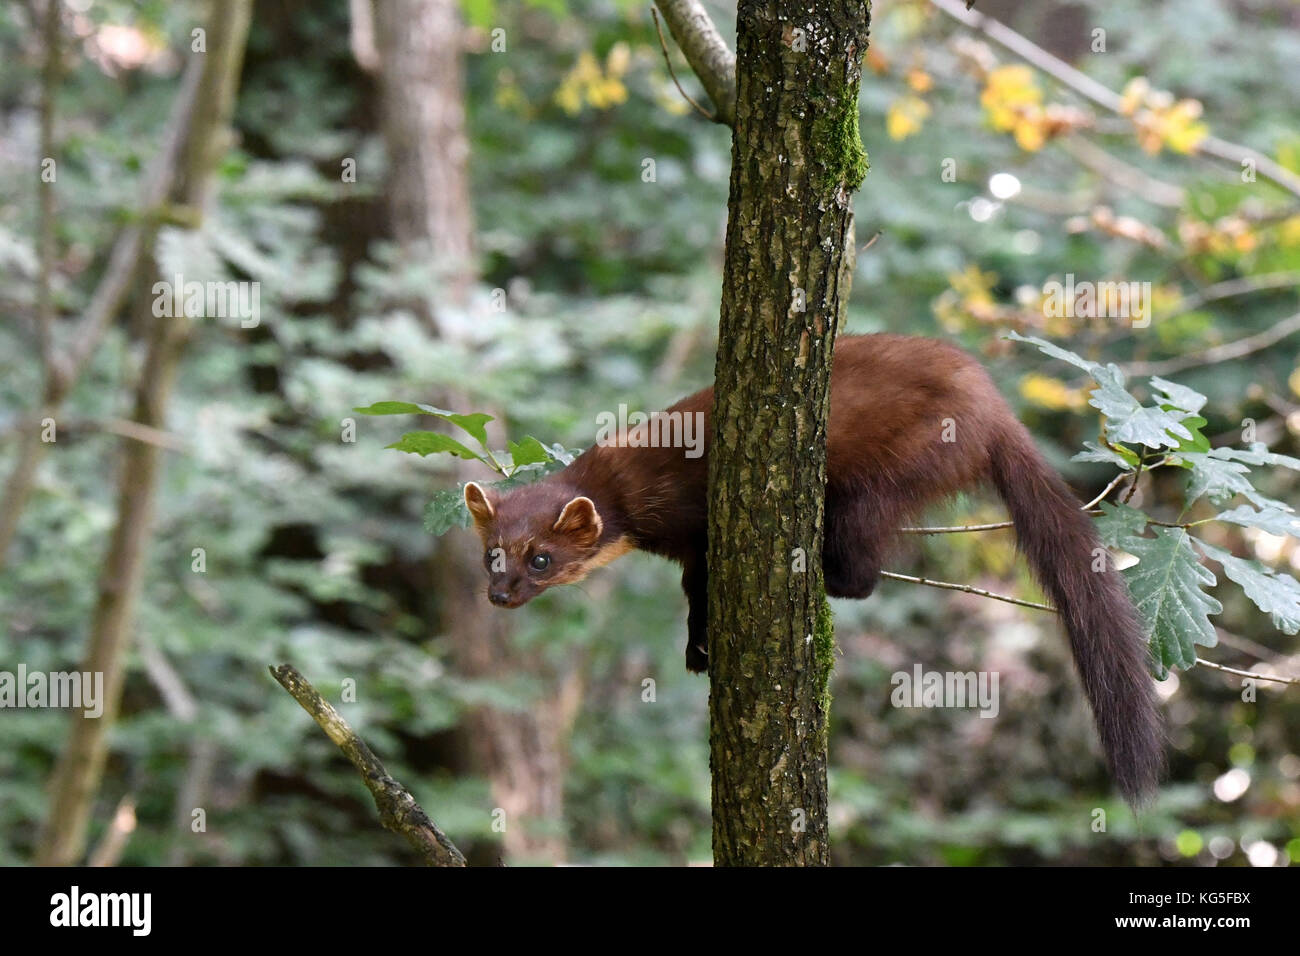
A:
523	754
80	766
796	159
420	45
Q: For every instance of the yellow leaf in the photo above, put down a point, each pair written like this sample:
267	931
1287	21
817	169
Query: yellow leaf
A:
1014	80
1288	232
1029	135
1182	133
973	285
568	98
1050	393
1135	94
587	68
616	63
604	93
508	94
587	81
1002	118
1011	84
569	95
906	116
1009	93
919	80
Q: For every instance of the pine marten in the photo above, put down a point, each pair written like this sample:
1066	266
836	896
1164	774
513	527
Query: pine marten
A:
912	421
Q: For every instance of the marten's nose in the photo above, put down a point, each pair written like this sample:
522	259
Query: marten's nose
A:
499	598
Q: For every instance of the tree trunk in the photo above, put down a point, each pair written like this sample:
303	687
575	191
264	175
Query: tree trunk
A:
796	159
420	45
523	754
62	372
31	448
80	767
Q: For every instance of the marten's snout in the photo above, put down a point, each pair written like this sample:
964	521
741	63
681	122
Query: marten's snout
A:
509	591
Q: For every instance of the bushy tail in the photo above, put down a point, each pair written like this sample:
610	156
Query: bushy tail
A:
1058	540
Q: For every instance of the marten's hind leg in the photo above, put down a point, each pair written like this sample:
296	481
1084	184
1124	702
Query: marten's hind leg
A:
857	527
695	582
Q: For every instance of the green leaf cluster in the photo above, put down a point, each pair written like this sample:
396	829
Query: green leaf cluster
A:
1168	581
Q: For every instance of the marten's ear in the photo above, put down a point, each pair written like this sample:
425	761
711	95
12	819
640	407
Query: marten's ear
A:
479	505
580	521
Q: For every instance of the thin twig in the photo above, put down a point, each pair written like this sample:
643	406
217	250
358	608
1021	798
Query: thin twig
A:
872	241
1127	176
122	427
45	276
1241	673
119	831
1234	287
1047	607
1137	476
141	433
122	260
177	697
1239	155
994	526
954	529
397	808
1105	491
680	348
969	589
706	52
1247	646
1219	353
202	750
663	45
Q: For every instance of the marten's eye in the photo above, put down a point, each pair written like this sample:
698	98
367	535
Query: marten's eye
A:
540	562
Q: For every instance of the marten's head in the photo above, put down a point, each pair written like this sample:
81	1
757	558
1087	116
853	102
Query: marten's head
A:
536	537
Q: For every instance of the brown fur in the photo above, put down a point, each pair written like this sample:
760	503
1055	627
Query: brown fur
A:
892	397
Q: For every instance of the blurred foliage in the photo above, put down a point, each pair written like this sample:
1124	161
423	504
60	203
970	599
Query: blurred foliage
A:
313	546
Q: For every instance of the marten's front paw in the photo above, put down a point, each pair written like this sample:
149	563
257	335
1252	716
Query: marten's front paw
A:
697	658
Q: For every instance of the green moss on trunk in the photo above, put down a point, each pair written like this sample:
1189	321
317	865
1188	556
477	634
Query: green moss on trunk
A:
838	141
